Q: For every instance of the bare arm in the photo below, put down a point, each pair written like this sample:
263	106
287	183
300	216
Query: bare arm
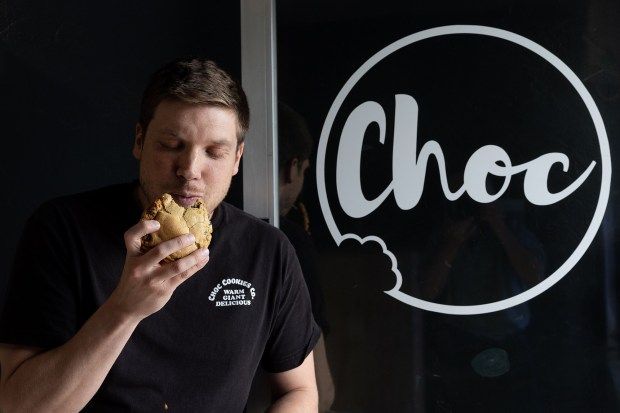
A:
64	379
295	390
435	271
324	379
527	265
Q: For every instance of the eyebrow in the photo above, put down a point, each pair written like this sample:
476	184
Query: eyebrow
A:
174	133
223	142
168	131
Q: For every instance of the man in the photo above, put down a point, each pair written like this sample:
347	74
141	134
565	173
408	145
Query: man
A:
295	146
93	324
294	150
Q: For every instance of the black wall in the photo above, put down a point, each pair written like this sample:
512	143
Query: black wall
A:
71	77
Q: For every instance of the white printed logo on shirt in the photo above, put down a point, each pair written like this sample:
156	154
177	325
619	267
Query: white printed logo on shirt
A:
232	292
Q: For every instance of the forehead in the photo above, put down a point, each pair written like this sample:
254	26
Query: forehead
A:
185	119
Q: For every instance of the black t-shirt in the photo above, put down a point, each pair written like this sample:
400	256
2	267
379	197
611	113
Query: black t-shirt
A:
248	306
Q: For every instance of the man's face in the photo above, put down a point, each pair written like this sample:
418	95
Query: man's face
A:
297	177
291	187
189	151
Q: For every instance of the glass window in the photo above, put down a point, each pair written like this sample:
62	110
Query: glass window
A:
458	197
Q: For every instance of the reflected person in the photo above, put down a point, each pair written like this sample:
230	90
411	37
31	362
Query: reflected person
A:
479	246
483	253
295	145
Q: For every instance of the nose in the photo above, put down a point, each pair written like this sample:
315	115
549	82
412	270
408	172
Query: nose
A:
188	165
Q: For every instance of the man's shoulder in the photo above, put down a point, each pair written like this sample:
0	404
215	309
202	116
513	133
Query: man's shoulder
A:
109	194
110	200
291	227
241	222
230	214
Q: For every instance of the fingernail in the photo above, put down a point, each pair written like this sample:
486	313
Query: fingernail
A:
190	238
204	252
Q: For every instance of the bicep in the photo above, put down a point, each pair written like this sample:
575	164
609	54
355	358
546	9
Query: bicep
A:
301	378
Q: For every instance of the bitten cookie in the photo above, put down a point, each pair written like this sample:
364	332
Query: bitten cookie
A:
176	220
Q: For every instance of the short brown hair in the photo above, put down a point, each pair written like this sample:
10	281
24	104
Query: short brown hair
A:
294	138
197	81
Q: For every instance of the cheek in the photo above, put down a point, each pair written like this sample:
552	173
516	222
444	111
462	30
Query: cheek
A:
157	165
215	172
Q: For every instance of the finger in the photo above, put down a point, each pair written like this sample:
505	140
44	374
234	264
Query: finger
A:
162	250
133	236
188	266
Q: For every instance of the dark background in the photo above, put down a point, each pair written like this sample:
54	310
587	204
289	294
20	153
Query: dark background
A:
387	356
71	78
71	75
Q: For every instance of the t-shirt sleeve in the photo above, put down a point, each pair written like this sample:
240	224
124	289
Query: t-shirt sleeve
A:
295	332
40	300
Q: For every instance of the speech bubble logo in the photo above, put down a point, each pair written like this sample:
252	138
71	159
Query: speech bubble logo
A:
573	258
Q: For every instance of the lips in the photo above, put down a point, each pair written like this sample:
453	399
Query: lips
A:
185	200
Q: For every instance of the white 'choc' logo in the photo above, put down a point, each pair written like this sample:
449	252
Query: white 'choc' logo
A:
409	165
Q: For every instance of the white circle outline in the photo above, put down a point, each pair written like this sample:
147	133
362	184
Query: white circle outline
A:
597	218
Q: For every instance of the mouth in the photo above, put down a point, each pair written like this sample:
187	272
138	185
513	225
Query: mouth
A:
185	200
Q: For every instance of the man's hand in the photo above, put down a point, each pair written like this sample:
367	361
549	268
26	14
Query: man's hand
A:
66	378
458	232
147	282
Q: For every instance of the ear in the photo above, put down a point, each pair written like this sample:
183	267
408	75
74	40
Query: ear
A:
290	169
138	142
238	158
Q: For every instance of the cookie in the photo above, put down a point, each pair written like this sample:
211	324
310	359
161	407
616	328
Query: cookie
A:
176	220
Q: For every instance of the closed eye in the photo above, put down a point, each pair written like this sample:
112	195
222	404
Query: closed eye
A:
216	153
170	145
